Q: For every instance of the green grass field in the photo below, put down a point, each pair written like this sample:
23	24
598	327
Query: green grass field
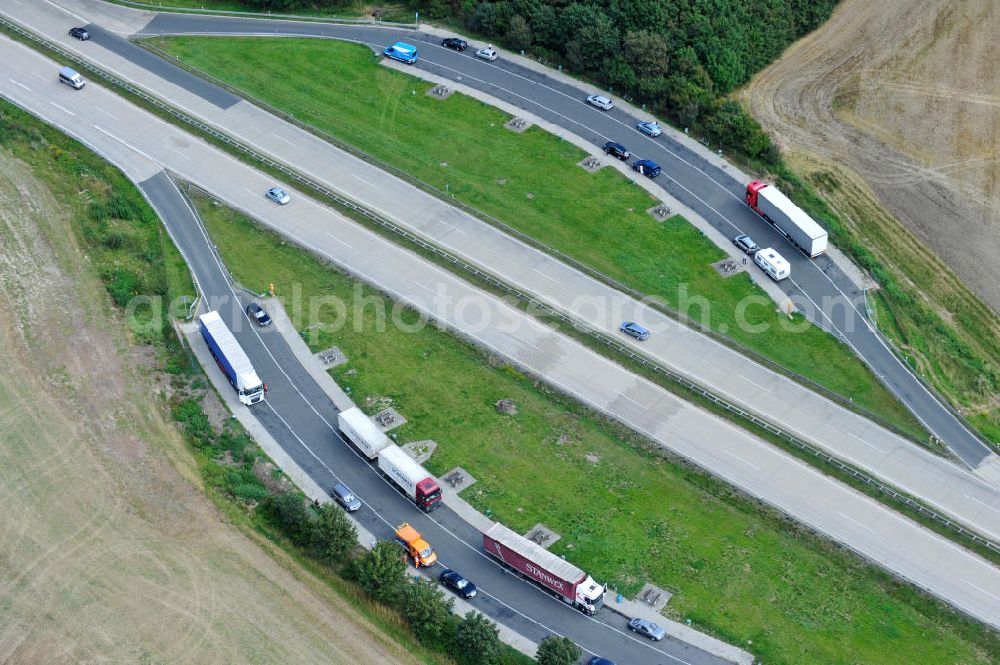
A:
529	182
625	513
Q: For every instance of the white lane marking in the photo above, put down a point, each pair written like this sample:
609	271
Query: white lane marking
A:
62	108
982	504
337	435
40	77
367	182
745	461
756	385
867	443
176	151
349	246
762	447
63	9
19	84
851	519
128	145
282	139
546	276
979	588
725	219
107	113
247	189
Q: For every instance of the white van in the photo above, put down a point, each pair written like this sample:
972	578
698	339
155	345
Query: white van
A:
71	78
772	263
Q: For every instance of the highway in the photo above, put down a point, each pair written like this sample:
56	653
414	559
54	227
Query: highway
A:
142	145
819	288
842	433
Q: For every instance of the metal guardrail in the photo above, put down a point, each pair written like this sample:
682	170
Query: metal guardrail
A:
531	241
152	6
502	286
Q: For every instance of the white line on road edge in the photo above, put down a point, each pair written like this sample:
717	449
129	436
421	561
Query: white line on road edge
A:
745	461
339	240
981	503
282	139
367	182
851	519
176	151
63	9
547	276
128	145
62	108
20	85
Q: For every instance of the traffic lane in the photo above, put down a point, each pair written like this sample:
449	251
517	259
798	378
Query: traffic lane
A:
307	434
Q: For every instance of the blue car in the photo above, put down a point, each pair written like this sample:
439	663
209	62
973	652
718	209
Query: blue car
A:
647	167
401	51
635	330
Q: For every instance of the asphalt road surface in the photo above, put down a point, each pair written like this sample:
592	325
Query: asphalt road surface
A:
140	143
300	416
819	288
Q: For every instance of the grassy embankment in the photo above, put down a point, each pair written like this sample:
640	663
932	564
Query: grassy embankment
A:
624	512
387	11
528	181
944	331
120	246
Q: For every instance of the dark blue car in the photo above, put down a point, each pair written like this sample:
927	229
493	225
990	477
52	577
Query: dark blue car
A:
647	167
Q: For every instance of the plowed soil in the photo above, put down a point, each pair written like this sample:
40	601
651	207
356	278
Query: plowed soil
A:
906	94
108	553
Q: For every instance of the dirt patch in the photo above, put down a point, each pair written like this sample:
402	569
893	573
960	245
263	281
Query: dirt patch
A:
109	553
906	94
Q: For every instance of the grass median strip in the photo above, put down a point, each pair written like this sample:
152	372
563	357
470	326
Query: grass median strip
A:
528	181
625	512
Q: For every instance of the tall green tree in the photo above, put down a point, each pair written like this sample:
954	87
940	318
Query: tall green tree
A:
428	612
557	651
333	535
477	640
381	572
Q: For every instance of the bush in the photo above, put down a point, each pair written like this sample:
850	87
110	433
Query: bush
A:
557	651
291	515
477	640
334	535
381	572
429	613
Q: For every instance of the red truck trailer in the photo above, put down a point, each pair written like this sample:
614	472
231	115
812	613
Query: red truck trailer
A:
559	576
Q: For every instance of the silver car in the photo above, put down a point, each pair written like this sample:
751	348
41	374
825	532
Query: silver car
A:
650	128
488	53
278	195
601	102
647	628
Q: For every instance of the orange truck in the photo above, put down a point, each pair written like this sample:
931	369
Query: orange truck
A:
417	549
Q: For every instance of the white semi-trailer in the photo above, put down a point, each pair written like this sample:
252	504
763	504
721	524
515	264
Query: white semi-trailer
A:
793	222
410	477
231	358
362	432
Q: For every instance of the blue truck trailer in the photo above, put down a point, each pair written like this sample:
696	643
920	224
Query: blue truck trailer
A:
231	358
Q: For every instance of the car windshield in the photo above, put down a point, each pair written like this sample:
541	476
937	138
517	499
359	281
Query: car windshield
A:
426	552
348	498
461	583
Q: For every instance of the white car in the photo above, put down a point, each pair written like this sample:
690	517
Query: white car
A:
488	53
601	102
278	195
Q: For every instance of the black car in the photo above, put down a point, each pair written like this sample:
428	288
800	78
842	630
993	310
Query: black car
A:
597	660
457	583
455	43
257	313
617	150
80	33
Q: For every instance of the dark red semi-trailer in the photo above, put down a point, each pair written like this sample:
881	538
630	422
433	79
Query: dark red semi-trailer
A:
533	561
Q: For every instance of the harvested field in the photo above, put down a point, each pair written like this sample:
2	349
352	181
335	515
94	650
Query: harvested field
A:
907	94
109	549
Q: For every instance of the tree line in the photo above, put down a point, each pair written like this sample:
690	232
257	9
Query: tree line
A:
679	58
